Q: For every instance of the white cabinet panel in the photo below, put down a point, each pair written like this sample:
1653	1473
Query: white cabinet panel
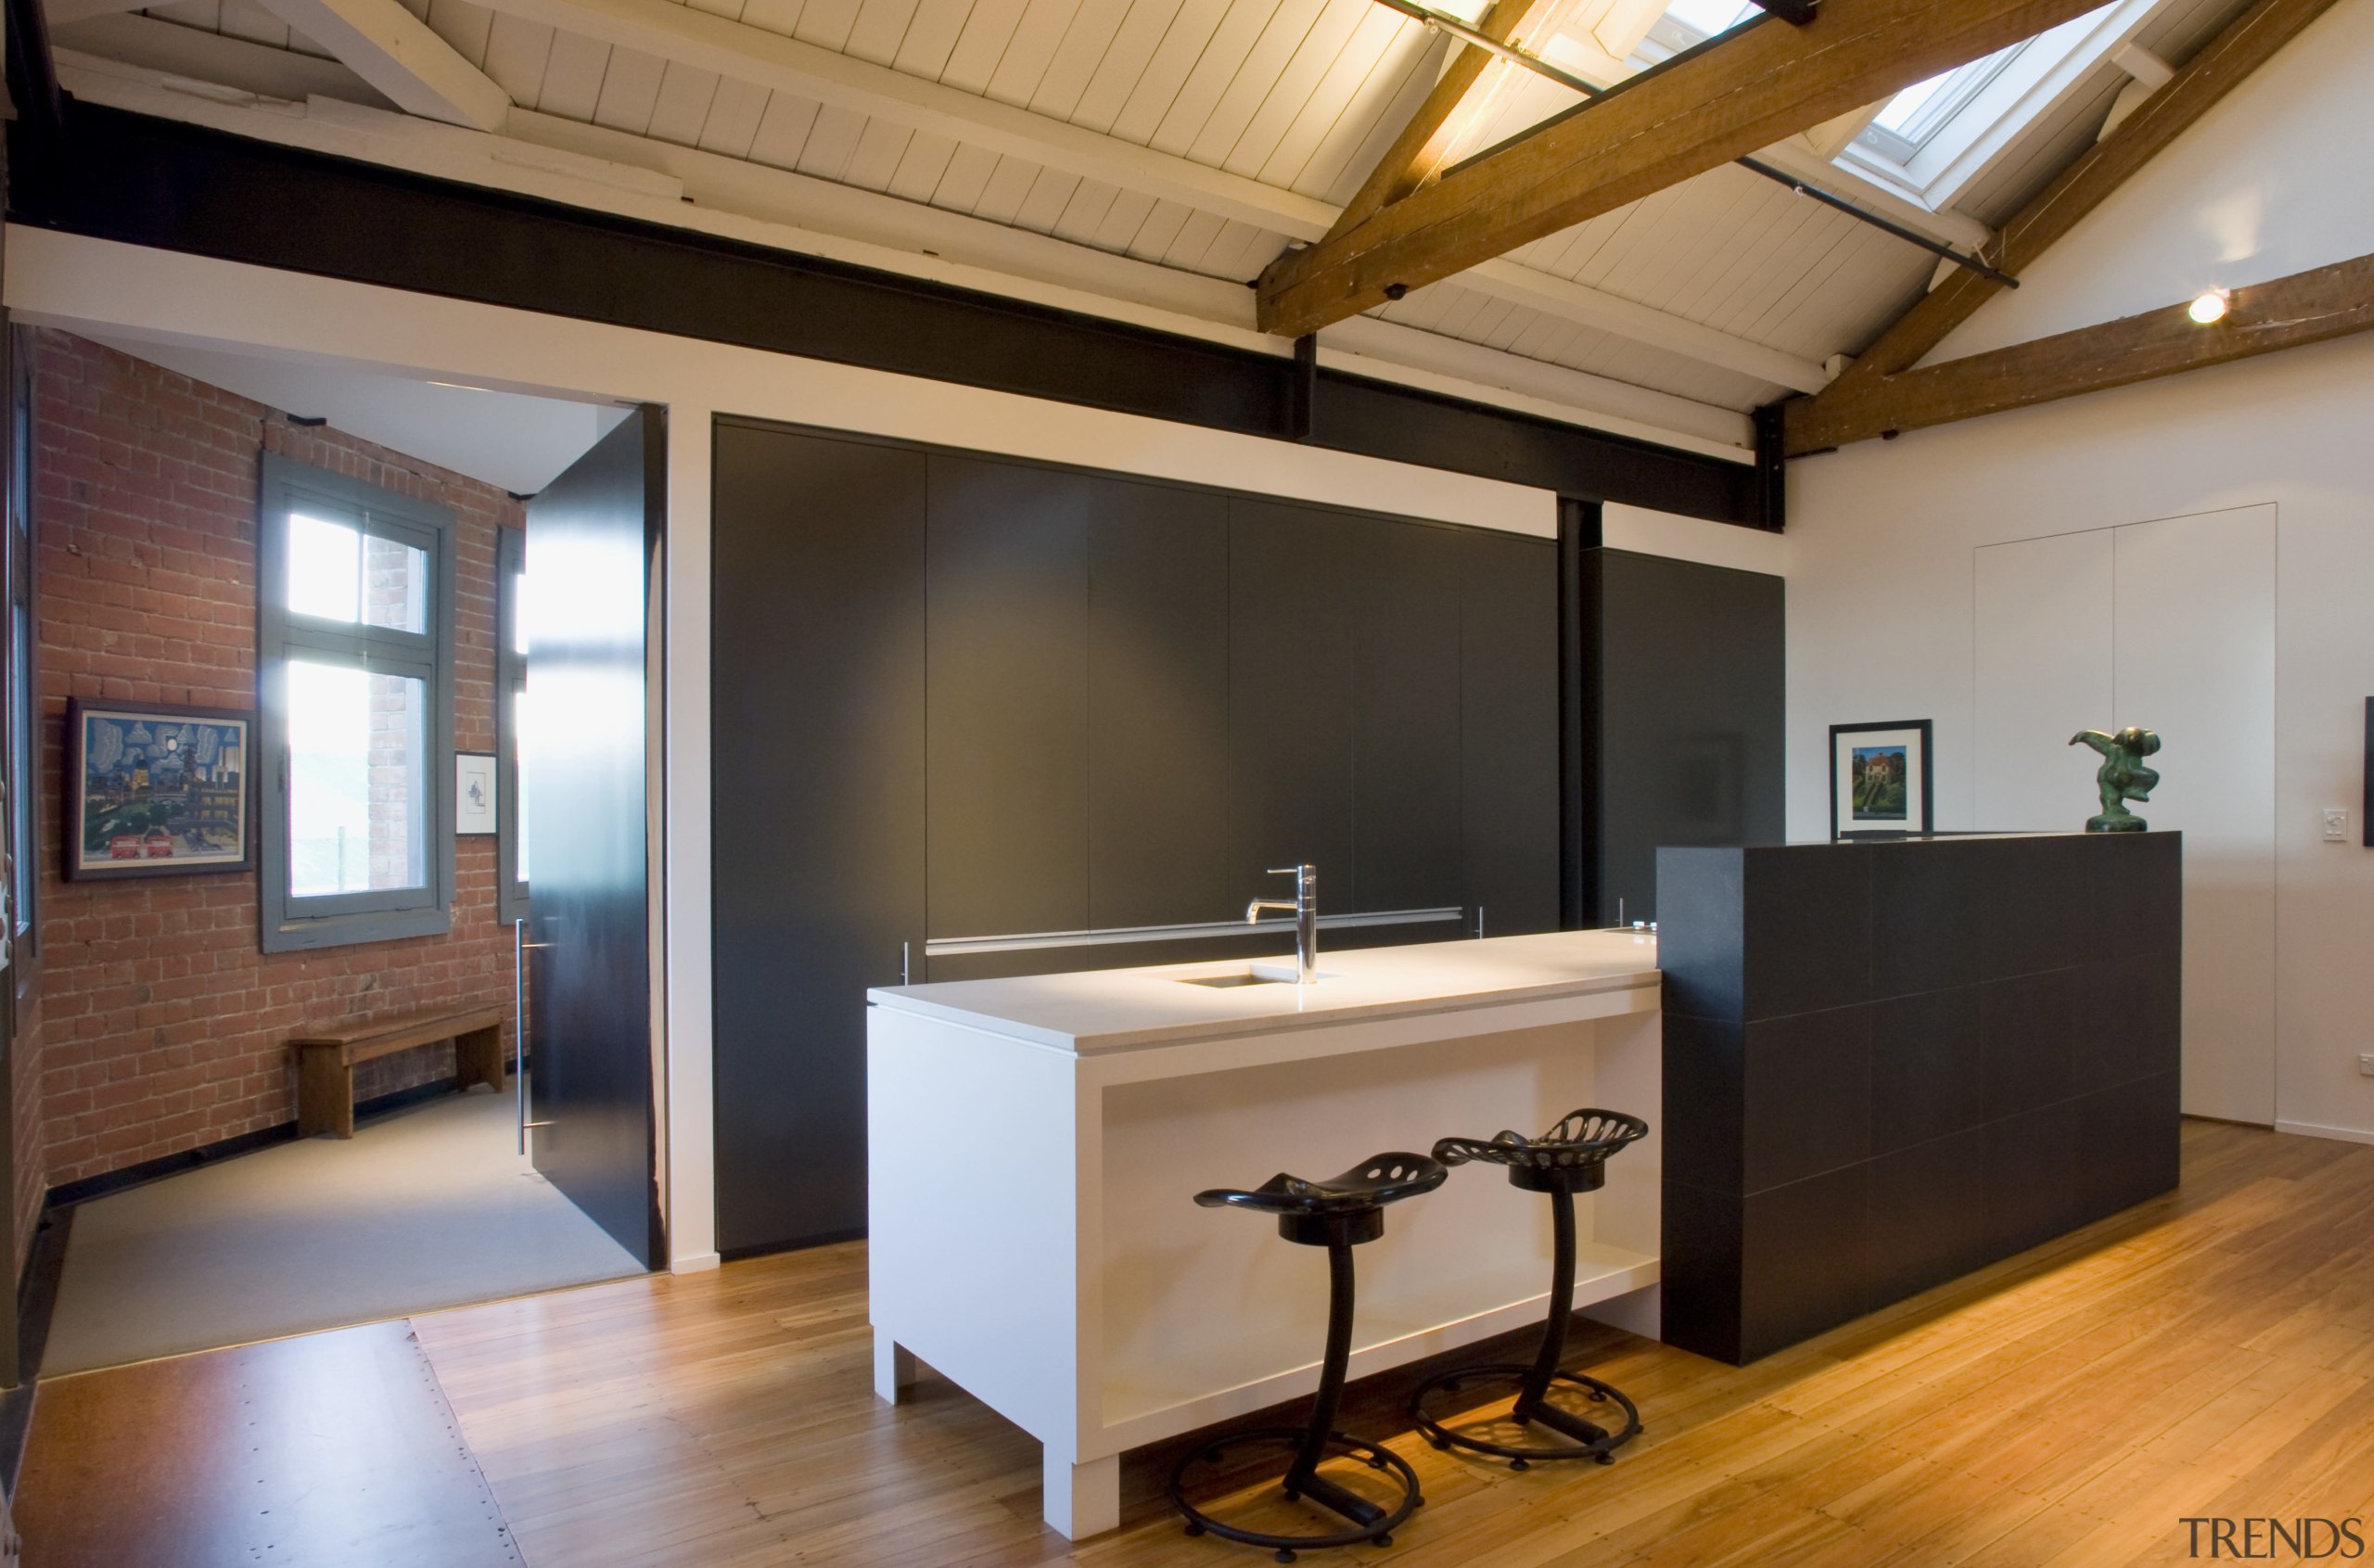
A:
2170	625
2195	660
2043	672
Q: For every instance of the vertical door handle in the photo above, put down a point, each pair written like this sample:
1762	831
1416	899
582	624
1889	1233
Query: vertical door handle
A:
520	1024
521	949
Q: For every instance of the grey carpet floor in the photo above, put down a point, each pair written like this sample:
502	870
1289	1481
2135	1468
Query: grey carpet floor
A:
428	1207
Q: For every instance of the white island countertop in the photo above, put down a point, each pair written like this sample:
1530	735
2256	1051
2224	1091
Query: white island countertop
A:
1093	1011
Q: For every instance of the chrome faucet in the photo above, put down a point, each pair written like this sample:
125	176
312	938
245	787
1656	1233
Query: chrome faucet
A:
1304	907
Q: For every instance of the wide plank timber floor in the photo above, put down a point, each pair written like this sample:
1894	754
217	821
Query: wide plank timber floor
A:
2208	1354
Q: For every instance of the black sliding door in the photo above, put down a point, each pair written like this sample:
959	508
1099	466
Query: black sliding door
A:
1405	745
1007	590
1688	664
1158	707
818	728
1294	650
592	535
1509	731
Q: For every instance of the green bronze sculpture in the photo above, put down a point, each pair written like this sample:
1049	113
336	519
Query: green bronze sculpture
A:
2121	777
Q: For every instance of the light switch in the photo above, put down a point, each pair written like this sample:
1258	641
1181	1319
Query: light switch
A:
2336	824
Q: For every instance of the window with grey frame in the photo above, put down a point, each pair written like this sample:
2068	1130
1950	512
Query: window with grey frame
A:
355	676
510	725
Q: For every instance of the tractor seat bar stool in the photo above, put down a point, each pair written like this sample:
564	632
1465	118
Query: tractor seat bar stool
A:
1569	1158
1338	1214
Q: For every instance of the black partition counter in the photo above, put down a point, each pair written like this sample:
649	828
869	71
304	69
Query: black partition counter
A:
1889	1064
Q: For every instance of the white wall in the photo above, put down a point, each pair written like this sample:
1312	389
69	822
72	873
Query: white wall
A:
1882	534
2269	182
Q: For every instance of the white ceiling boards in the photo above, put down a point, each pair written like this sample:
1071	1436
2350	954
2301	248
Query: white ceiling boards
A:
1146	157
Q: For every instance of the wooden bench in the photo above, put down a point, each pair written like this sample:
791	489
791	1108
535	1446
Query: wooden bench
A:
326	1061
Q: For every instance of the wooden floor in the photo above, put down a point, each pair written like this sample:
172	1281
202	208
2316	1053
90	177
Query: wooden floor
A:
2210	1354
325	1451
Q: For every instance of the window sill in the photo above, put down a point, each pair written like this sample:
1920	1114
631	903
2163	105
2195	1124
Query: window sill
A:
349	930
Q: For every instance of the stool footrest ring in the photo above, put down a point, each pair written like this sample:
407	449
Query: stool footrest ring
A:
1371	1522
1591	1440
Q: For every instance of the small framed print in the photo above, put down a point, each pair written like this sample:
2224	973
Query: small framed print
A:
473	793
1879	779
156	790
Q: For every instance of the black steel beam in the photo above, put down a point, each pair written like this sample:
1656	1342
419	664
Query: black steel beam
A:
179	187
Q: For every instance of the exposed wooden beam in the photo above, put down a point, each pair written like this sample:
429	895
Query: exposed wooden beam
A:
2246	43
743	53
1430	140
2304	308
657	181
749	54
395	51
1766	80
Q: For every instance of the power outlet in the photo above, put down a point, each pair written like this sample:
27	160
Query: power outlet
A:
2336	824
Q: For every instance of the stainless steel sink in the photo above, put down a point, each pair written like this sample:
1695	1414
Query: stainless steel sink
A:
1253	975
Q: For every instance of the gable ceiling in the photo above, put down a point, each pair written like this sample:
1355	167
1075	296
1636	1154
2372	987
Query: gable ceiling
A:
1141	158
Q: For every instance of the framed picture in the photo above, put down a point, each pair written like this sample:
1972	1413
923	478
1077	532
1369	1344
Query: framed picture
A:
155	790
473	793
1879	779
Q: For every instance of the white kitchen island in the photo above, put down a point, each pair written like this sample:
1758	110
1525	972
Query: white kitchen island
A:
1035	1146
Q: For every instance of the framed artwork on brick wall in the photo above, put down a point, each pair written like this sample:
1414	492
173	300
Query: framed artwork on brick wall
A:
158	790
474	791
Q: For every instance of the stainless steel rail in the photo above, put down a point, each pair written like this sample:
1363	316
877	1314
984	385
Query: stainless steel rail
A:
1114	936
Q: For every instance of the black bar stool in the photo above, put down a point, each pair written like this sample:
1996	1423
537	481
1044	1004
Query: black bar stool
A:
1338	1214
1569	1158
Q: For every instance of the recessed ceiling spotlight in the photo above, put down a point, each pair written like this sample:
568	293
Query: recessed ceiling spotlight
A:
2208	306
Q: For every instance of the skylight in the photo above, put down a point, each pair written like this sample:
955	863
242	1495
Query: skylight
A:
1707	18
1907	121
1897	113
1928	142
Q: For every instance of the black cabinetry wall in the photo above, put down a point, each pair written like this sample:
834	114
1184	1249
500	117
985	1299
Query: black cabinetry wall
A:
960	699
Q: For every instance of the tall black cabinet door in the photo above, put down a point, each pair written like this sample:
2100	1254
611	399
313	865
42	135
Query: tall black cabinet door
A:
1406	767
817	715
1293	653
1690	665
1509	748
1158	709
1008	613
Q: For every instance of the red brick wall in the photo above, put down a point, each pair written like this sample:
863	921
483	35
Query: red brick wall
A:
164	1026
